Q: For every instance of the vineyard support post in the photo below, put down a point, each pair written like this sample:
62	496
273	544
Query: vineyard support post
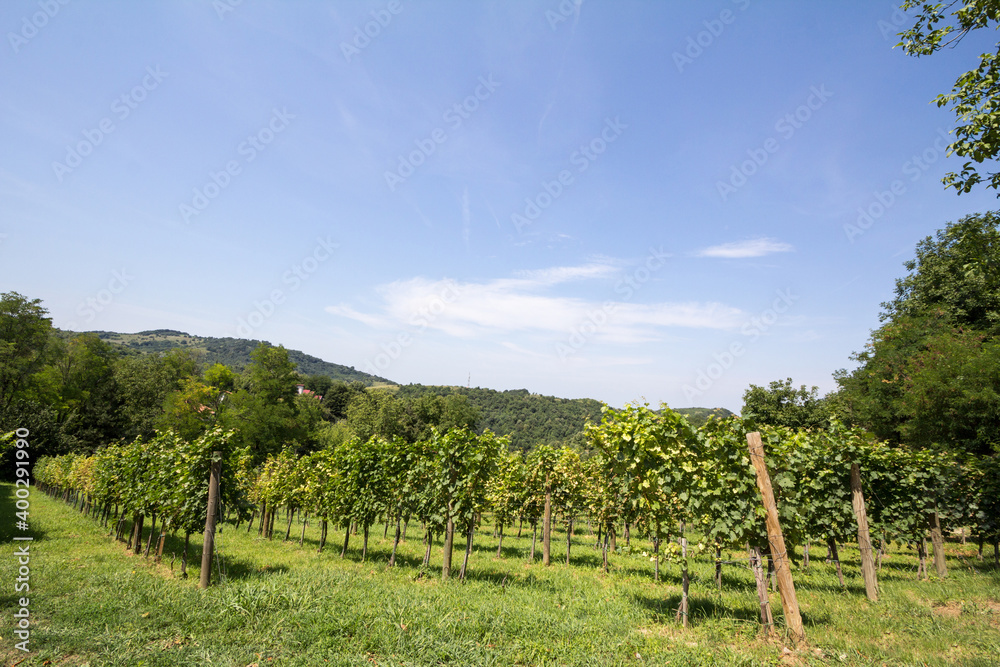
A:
547	524
757	567
786	587
208	546
938	540
864	539
569	538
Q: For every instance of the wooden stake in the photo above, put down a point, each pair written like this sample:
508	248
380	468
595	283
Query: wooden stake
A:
569	538
682	610
208	545
864	539
937	539
757	567
547	525
786	587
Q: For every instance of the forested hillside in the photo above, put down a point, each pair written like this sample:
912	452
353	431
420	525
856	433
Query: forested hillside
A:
533	419
530	419
232	352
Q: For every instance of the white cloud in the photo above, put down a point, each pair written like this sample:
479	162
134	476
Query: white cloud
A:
513	306
743	249
562	274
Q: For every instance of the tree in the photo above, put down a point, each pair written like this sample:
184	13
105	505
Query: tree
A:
928	375
86	395
975	97
271	375
264	411
220	376
25	331
372	413
442	412
190	410
956	271
144	383
338	396
781	404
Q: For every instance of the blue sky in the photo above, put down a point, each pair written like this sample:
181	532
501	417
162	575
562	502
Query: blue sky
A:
660	201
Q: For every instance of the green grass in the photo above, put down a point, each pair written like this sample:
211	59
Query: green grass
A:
92	603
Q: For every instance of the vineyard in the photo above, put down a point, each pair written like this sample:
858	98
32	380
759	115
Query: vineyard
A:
655	482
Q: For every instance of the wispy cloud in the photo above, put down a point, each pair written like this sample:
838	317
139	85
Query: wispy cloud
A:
521	305
743	249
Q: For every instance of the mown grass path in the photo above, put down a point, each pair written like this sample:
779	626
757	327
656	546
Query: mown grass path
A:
93	603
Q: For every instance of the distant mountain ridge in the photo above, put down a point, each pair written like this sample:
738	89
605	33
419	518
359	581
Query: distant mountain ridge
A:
233	352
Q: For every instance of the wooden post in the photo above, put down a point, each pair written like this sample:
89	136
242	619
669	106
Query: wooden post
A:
864	539
786	587
547	525
569	538
757	567
208	545
449	540
718	567
937	539
682	610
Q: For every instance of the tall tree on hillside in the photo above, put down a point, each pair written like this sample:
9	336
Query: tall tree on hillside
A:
220	376
81	375
263	410
338	396
376	413
271	374
781	404
144	383
25	332
192	409
930	375
442	412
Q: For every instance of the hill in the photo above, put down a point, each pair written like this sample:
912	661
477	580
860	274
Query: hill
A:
698	416
233	352
533	419
530	419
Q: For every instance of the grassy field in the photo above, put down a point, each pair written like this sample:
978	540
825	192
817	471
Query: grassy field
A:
92	603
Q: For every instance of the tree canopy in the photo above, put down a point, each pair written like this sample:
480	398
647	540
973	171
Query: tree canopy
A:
975	97
781	404
930	375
